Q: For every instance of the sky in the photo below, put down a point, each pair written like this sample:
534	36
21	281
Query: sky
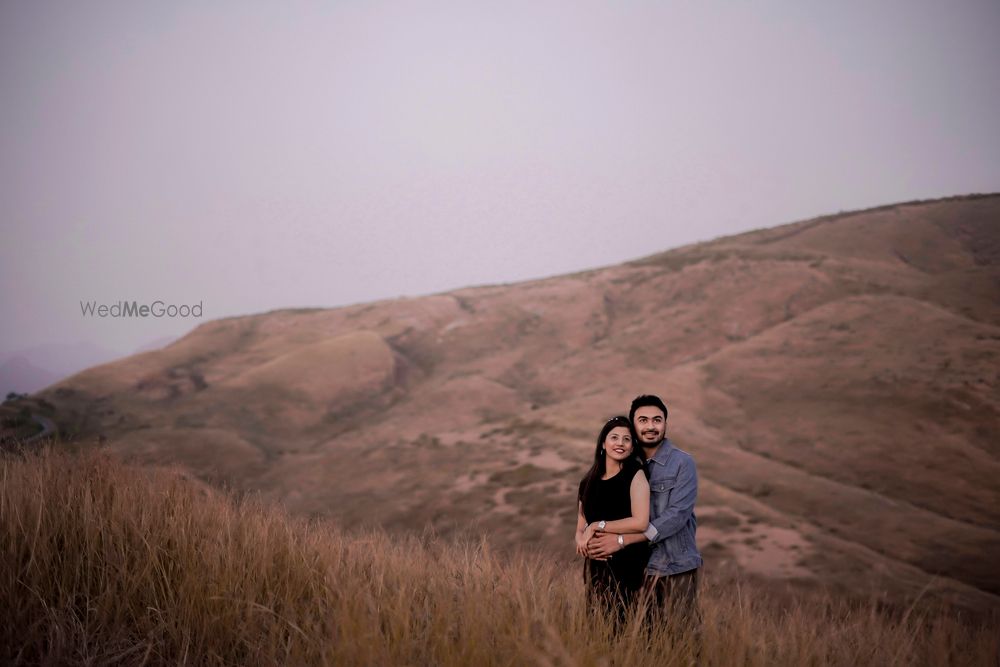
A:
250	156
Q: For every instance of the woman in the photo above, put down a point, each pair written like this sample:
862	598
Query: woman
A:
614	497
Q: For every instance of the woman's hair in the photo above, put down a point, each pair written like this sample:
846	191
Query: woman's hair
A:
599	468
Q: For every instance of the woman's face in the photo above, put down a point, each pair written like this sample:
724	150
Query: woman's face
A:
618	443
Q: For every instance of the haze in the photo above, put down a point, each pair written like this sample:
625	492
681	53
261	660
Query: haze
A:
253	156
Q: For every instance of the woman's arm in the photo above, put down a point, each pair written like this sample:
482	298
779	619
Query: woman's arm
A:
639	521
583	532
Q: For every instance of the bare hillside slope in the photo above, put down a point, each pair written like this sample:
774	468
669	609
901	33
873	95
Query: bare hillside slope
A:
836	380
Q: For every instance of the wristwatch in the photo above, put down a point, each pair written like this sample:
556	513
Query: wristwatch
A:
621	541
601	524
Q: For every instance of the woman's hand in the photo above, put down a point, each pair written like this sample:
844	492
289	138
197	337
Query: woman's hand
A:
581	543
584	537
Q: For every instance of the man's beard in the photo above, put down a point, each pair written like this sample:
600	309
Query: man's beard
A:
655	443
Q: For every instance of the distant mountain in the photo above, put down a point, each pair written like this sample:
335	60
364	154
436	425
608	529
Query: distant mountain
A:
835	379
41	365
19	375
34	368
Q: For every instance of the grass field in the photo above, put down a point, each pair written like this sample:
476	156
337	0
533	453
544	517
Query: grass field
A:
103	563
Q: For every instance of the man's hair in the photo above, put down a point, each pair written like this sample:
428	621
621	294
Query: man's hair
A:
644	401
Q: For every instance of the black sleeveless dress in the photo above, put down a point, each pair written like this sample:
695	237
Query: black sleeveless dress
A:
614	583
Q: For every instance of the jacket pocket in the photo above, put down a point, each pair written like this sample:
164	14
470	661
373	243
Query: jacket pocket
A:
679	549
663	485
660	490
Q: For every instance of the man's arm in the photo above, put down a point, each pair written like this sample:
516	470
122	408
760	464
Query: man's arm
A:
602	545
681	504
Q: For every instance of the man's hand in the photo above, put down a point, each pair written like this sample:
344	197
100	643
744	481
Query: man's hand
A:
602	545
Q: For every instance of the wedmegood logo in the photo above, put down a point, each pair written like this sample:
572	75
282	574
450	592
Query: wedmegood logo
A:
135	309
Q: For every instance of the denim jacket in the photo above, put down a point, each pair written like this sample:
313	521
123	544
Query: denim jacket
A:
673	486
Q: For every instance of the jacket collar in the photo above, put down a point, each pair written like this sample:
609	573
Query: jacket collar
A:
663	452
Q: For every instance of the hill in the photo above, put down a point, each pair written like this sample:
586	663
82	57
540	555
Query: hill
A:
835	379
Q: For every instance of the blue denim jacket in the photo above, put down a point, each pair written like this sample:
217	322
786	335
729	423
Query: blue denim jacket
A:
673	486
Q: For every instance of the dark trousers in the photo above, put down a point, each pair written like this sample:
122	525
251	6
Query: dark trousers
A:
672	601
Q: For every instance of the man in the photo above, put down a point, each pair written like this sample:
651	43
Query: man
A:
671	582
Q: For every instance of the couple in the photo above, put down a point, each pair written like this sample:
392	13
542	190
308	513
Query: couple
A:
635	521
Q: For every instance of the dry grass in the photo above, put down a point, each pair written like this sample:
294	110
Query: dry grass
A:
102	563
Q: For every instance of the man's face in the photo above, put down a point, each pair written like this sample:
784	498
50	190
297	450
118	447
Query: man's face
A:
651	425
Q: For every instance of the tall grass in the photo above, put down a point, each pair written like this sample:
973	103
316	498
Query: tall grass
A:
102	563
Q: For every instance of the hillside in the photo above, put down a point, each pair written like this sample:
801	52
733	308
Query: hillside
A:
835	379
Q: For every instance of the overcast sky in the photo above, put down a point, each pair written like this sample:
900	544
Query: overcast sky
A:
253	156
